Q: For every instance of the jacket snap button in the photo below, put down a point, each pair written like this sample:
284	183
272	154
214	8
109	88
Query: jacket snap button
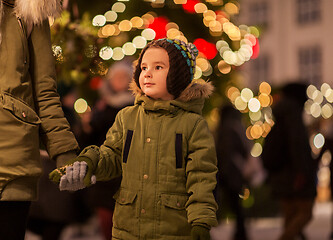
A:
23	114
123	199
143	211
178	204
145	176
148	140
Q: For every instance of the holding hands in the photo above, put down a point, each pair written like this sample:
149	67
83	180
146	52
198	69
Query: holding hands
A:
78	174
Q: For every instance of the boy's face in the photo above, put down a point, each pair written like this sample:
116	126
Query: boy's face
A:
154	71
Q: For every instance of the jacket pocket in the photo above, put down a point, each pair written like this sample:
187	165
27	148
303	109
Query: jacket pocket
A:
125	213
173	215
19	109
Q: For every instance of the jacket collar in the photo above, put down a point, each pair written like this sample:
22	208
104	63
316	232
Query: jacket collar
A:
191	99
35	11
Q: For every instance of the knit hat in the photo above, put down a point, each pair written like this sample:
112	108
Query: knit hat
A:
182	63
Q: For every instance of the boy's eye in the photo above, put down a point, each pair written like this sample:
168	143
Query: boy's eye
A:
143	68
159	67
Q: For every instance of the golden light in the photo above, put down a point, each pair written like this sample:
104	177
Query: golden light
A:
264	99
315	110
129	48
148	17
180	1
267	128
233	93
137	22
264	87
318	97
329	95
215	26
256	131
209	71
110	16
231	8
118	7
106	53
203	64
148	34
80	105
240	104
246	94
183	38
319	140
229	57
118	54
200	8
108	30
255	116
198	72
248	133
171	25
221	43
209	15
173	33
324	87
139	42
310	91
224	67
256	150
125	25
99	21
254	105
327	111
255	31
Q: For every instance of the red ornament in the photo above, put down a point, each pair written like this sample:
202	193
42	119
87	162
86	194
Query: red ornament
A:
95	83
189	6
206	48
159	26
255	49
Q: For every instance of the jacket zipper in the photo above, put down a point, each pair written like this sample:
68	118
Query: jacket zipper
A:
24	41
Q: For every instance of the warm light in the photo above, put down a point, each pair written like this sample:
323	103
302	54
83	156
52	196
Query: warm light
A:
80	105
110	16
203	64
118	54
106	53
180	1
200	8
246	94
224	67
264	87
209	15
173	33
231	8
256	150
118	7
99	20
255	116
139	42
198	72
148	34
254	105
329	95
137	22
129	48
240	104
125	25
108	30
327	111
233	93
264	99
324	88
315	110
310	91
318	97
319	140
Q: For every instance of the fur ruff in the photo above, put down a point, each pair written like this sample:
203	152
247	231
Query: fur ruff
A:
197	89
36	11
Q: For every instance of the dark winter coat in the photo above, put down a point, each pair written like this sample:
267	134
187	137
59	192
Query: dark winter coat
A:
30	108
166	156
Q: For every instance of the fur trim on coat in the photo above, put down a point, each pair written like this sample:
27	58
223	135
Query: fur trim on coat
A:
197	89
36	11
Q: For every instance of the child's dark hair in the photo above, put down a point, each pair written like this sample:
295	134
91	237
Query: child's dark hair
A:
180	73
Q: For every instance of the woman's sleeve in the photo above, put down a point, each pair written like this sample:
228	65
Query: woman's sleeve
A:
55	130
201	172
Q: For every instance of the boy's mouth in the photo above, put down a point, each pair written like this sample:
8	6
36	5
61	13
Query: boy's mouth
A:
148	84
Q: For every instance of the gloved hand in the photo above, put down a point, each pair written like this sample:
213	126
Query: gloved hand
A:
76	175
199	232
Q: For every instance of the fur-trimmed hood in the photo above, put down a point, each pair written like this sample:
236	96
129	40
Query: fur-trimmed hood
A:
36	11
191	99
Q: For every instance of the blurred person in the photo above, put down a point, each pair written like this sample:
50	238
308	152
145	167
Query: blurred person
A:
287	156
161	147
114	96
233	150
30	109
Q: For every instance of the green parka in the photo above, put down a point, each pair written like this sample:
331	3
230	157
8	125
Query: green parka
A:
166	156
30	108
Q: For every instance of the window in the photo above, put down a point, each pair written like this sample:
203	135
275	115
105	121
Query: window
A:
308	11
310	61
260	69
259	13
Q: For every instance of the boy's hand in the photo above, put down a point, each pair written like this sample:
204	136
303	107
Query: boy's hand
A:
199	232
75	176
